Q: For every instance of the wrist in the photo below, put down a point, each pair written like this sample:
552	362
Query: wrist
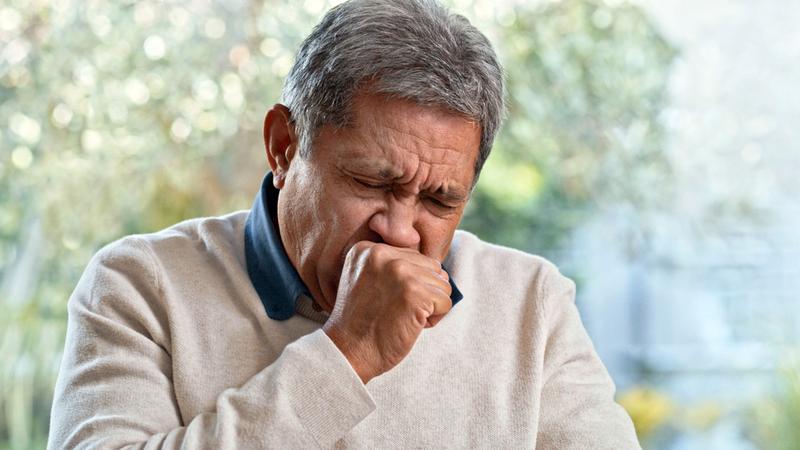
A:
348	350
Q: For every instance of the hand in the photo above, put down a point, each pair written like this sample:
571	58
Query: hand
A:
386	296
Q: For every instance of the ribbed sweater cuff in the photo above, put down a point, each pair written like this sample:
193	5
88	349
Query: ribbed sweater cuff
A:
329	398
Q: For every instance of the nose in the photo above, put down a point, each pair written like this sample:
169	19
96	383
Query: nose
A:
395	223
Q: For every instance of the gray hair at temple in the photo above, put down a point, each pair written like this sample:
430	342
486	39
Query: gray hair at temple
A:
414	50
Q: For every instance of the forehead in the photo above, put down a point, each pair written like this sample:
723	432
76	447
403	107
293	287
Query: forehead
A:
399	139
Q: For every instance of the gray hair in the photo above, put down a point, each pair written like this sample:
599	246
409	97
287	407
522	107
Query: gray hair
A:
414	50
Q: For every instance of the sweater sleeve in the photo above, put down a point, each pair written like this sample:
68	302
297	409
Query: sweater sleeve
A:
114	388
578	407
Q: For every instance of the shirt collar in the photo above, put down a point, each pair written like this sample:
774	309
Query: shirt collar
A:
274	277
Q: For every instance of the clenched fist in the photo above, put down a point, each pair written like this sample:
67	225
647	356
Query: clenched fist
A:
386	296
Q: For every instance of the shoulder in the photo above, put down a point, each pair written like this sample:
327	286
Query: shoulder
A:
468	252
495	271
179	251
138	264
128	282
204	234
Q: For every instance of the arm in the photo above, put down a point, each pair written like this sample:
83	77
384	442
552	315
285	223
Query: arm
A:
115	388
578	408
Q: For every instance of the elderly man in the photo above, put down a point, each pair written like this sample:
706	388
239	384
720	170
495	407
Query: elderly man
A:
328	315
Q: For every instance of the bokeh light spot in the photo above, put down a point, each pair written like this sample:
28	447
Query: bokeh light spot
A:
21	157
154	47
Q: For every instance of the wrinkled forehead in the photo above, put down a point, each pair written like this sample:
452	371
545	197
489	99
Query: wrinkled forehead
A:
428	126
389	135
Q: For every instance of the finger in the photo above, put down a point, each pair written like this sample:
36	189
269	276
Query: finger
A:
437	281
441	302
435	269
430	298
434	320
416	257
419	266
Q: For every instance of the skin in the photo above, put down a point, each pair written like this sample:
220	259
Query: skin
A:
369	215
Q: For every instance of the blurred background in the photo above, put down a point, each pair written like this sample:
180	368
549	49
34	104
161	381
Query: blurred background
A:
650	151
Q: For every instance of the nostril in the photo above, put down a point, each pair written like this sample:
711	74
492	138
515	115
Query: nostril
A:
375	237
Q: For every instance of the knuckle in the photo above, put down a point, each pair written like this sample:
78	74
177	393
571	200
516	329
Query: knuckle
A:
421	316
412	289
381	252
448	290
397	268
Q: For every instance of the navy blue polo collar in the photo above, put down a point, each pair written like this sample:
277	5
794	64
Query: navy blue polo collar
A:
274	277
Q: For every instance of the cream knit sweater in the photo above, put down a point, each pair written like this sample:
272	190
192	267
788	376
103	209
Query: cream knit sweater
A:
168	346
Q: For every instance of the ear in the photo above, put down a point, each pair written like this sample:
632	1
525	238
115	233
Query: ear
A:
280	142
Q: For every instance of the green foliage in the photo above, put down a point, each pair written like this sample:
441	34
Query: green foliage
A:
126	117
775	420
586	84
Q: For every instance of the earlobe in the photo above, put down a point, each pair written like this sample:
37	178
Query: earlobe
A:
278	178
280	142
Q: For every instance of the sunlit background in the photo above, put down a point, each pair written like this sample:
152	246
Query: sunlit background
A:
651	151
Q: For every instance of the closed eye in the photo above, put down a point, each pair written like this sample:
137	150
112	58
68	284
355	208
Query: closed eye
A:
434	202
439	204
368	184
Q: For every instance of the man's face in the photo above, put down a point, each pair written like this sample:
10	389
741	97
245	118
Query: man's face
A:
401	175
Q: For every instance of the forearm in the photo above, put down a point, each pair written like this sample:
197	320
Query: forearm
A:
308	397
578	407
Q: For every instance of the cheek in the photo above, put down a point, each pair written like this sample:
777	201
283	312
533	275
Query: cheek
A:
346	225
347	221
353	222
304	213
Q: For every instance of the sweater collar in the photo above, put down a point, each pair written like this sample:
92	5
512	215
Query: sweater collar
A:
274	277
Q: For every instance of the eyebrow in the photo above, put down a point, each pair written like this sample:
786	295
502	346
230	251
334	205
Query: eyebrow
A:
388	173
385	173
453	194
